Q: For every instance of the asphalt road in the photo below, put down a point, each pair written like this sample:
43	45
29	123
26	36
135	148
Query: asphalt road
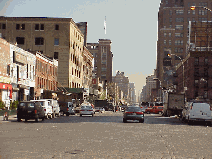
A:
105	136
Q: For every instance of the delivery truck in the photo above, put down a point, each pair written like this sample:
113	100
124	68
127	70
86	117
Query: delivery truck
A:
173	104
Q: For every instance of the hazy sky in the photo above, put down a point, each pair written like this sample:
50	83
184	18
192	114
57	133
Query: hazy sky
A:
131	25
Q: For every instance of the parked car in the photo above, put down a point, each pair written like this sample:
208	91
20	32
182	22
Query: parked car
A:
30	110
66	108
133	113
154	109
56	107
86	110
195	111
99	109
48	109
143	108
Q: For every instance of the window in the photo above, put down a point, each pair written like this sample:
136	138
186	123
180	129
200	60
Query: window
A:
189	11
164	42
36	26
56	41
203	12
178	50
196	61
188	19
42	27
3	26
205	94
170	20
39	41
179	27
39	26
17	26
170	42
170	34
193	19
170	12
178	42
202	19
206	61
55	55
20	40
164	34
193	12
203	4
179	12
56	27
178	35
179	19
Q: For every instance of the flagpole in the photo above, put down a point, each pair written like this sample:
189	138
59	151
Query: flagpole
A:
105	25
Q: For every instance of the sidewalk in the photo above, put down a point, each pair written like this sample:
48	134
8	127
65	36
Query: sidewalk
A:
11	118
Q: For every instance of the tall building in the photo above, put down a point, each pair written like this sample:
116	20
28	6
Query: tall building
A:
132	92
102	59
150	84
173	22
59	38
123	83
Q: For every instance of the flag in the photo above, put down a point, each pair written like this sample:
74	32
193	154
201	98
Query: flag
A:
105	24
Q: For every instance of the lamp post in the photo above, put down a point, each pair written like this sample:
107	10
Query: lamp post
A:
194	7
160	86
182	67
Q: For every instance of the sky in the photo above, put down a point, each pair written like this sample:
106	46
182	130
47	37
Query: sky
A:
131	25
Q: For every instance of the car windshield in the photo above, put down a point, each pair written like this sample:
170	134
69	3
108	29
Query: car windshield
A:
86	107
30	105
133	109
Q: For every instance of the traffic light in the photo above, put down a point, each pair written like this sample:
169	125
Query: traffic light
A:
192	7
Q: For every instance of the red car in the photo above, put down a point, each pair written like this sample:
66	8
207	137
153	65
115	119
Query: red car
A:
154	109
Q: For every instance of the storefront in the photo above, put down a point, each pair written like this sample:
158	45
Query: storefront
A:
6	93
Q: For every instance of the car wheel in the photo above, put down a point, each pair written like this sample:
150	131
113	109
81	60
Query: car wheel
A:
148	112
50	116
141	121
92	115
19	120
80	114
67	114
43	118
36	119
61	113
124	120
58	114
53	115
26	119
160	113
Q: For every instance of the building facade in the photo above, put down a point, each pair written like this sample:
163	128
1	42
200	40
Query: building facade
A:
59	38
102	59
173	22
123	83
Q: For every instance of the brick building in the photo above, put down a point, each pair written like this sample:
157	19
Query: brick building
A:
102	59
59	38
173	22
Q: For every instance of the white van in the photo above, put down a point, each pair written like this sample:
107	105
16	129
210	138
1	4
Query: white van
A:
56	107
194	111
48	109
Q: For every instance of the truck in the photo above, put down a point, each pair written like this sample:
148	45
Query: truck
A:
173	104
103	104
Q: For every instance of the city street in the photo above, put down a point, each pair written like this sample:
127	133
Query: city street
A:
105	136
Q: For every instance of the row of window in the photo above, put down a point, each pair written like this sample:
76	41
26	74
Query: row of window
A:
177	35
203	4
76	73
177	42
45	68
38	41
22	26
176	50
46	84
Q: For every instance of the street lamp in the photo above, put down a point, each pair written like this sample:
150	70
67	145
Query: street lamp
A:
194	7
182	66
160	86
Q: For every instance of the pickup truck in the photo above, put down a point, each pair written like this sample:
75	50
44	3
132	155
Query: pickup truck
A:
154	109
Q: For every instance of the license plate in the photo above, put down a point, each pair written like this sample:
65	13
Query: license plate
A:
134	114
29	111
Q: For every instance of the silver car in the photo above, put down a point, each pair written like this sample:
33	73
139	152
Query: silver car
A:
86	110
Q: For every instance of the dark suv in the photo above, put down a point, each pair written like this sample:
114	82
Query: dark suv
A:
30	110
